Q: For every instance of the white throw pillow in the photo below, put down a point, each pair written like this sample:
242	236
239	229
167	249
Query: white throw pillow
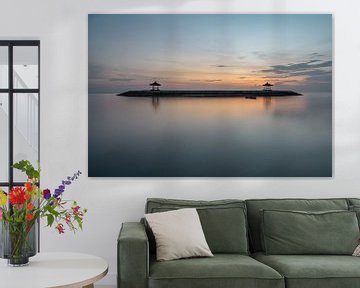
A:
178	234
357	251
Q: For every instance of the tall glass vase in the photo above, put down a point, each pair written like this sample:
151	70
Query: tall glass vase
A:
18	242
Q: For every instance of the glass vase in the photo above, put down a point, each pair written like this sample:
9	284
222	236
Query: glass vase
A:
18	242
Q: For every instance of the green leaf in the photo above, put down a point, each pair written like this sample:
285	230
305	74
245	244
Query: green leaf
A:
50	219
79	221
21	165
26	167
53	211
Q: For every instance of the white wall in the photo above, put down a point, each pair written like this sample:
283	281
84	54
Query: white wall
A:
61	25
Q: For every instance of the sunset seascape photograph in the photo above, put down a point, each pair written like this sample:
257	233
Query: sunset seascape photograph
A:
210	95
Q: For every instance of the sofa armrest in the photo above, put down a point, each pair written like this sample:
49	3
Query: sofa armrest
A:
133	256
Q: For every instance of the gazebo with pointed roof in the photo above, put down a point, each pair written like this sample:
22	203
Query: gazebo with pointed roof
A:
267	86
155	86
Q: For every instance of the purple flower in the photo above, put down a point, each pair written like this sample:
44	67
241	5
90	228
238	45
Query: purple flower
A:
46	194
64	183
58	192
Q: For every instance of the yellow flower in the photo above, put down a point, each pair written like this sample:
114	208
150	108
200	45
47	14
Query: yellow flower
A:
3	198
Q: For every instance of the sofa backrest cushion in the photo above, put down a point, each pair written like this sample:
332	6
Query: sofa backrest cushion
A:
353	202
223	221
256	205
298	232
354	205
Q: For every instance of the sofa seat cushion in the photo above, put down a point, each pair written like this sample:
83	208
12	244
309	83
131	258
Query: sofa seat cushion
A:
222	270
313	271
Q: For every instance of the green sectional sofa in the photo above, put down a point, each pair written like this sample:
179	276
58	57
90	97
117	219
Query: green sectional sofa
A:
242	236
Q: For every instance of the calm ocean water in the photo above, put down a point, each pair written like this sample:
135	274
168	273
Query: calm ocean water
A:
209	137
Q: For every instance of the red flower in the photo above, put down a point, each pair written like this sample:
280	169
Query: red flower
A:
75	209
17	196
29	186
29	206
27	196
29	217
60	228
68	219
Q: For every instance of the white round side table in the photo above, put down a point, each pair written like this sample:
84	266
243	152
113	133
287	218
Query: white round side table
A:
50	270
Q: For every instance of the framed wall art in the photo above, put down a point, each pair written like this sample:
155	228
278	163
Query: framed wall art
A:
210	95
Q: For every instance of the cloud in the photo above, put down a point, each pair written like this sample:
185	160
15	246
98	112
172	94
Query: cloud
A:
270	56
121	79
213	80
106	79
222	66
311	75
101	72
296	68
316	54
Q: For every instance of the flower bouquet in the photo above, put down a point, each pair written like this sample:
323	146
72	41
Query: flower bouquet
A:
21	208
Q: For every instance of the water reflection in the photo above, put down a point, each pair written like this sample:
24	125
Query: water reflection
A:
267	102
276	105
264	137
155	102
